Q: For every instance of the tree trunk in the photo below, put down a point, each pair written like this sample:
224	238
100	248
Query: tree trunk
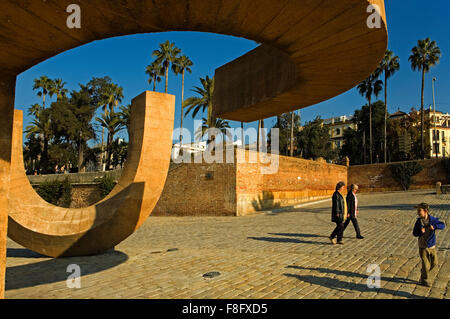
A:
263	140
242	135
292	134
103	142
80	156
182	100
370	133
108	153
154	83
422	115
167	78
258	136
385	117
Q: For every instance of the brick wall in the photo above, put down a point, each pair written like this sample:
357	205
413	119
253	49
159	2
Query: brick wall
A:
378	177
240	189
296	181
198	189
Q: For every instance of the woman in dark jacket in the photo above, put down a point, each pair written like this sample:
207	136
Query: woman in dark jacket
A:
338	213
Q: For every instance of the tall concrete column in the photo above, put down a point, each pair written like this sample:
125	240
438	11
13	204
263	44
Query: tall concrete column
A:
7	87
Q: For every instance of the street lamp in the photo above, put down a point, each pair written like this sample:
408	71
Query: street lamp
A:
435	137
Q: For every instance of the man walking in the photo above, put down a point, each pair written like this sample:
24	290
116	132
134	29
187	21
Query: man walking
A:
352	203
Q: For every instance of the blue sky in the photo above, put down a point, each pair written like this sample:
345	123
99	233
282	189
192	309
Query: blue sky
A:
124	59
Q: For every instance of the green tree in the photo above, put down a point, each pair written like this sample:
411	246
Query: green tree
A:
44	87
154	71
284	124
71	121
425	55
369	87
166	56
314	141
351	148
218	123
41	126
125	117
182	65
203	102
362	118
113	124
58	89
389	66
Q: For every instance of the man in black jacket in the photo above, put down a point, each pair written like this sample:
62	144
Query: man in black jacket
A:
352	203
338	213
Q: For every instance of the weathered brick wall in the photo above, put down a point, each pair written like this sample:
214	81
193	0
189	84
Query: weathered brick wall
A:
378	177
296	181
198	189
85	195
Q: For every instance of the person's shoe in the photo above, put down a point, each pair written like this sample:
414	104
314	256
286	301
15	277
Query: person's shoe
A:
340	243
333	240
360	237
424	283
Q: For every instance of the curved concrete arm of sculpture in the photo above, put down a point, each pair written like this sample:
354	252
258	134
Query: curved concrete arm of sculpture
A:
55	231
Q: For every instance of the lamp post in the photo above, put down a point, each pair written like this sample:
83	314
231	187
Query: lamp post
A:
435	137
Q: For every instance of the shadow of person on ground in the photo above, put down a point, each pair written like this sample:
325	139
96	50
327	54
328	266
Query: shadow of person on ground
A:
287	240
340	285
352	274
55	270
298	235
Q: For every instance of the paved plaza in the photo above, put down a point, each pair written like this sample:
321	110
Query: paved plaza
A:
283	254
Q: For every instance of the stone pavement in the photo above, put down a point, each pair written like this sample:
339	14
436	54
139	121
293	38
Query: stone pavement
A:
270	255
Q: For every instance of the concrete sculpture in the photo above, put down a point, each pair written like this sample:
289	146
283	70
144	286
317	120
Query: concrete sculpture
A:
313	50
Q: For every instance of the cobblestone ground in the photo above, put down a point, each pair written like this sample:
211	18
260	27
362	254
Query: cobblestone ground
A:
269	255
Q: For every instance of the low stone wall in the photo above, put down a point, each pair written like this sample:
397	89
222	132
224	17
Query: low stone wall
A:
296	181
241	189
198	189
378	177
85	191
78	178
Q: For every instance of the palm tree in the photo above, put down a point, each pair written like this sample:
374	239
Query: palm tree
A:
166	56
292	134
113	124
41	126
218	123
58	89
389	65
204	102
44	85
34	110
371	86
154	71
425	55
125	116
111	96
181	65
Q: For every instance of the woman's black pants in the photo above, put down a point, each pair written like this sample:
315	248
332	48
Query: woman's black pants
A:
338	231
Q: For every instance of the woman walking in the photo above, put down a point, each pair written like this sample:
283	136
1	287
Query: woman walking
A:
352	202
338	214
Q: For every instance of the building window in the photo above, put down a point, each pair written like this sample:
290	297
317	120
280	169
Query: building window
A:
338	131
436	135
443	136
436	148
